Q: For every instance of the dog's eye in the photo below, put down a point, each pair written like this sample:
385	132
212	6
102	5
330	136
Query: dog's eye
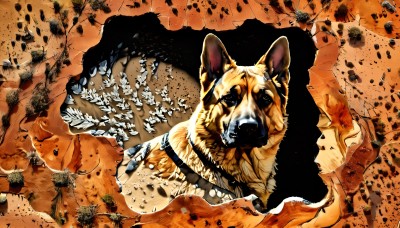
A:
265	100
230	99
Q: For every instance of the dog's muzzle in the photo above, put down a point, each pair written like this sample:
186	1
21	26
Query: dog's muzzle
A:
247	128
246	132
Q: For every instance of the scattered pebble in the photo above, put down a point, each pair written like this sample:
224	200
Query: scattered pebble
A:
212	193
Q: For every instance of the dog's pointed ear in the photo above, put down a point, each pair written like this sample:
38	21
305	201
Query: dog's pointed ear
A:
277	62
277	58
215	61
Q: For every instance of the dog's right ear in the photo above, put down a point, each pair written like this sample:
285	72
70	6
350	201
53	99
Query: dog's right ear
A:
277	61
215	61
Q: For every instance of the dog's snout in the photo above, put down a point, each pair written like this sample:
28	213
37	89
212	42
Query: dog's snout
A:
248	127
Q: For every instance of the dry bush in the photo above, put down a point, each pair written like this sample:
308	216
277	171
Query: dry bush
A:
85	214
15	179
12	98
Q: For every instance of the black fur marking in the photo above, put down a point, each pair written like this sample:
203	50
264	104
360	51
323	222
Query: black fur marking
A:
185	169
281	90
147	150
207	163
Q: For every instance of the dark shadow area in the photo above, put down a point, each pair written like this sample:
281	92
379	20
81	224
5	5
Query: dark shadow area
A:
297	173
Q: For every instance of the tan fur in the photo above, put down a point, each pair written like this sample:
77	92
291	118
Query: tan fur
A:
252	166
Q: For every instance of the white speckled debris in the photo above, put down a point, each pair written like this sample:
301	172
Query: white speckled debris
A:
108	82
117	96
149	128
76	119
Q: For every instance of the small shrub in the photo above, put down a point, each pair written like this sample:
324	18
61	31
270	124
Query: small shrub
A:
60	179
29	111
355	34
115	217
86	214
301	16
99	4
37	55
39	103
40	100
12	98
108	200
15	179
77	5
26	76
55	27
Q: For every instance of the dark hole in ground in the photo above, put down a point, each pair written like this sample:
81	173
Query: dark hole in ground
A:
297	173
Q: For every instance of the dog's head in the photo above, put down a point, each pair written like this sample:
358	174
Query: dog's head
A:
245	105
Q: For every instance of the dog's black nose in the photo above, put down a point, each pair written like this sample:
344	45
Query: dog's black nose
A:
248	128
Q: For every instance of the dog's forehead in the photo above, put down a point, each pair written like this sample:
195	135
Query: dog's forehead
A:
246	75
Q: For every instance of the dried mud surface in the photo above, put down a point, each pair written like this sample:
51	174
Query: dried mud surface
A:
354	82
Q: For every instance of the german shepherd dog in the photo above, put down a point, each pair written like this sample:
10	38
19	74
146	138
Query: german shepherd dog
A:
227	148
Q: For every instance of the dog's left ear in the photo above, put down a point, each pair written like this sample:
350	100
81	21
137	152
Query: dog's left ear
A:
215	61
277	61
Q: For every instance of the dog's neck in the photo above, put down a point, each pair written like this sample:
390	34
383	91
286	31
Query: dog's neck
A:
199	163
